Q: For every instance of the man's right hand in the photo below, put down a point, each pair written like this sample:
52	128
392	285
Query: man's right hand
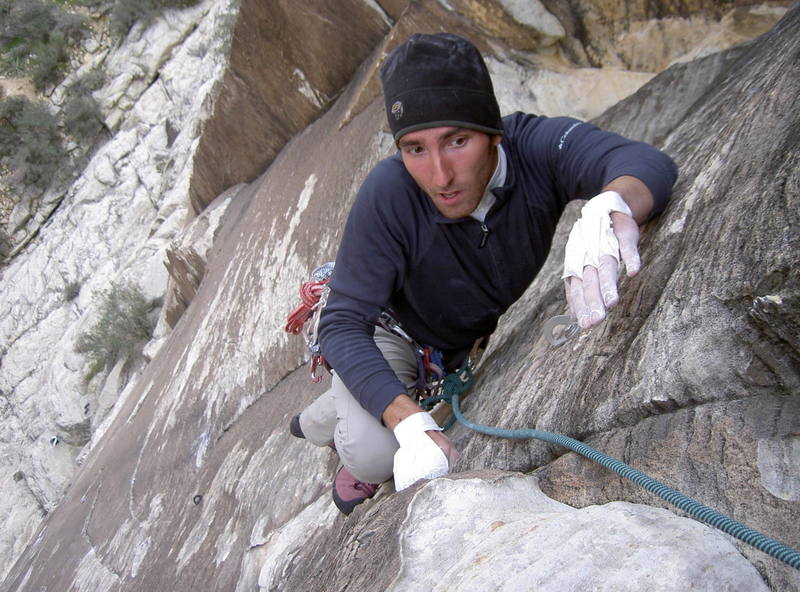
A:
446	445
425	452
419	456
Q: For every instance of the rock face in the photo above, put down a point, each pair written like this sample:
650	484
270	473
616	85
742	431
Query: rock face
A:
285	66
711	377
649	36
193	478
168	89
445	536
113	224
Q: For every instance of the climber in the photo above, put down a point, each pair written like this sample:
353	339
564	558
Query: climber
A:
445	235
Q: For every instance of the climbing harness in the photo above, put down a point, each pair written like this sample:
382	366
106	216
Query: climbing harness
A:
313	296
430	365
459	381
436	386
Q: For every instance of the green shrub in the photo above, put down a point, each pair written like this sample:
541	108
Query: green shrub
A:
124	326
48	63
81	113
124	14
30	139
5	245
71	291
91	81
34	39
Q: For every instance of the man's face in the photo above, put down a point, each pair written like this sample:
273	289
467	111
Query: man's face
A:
452	165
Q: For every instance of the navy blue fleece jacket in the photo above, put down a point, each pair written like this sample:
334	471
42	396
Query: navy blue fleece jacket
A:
446	289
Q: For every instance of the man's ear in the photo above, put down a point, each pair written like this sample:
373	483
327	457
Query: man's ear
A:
496	140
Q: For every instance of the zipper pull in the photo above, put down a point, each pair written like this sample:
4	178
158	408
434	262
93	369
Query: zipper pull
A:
484	236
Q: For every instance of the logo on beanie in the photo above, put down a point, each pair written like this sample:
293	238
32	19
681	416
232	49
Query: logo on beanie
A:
397	110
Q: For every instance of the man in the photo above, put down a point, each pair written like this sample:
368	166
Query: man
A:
446	235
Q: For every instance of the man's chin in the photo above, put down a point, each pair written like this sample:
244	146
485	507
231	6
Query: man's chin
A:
453	213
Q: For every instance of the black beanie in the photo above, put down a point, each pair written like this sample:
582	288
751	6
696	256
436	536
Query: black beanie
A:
438	80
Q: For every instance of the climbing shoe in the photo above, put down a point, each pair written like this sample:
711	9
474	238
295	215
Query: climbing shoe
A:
294	427
348	491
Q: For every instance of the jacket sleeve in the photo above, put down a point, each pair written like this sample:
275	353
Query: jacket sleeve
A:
370	265
584	158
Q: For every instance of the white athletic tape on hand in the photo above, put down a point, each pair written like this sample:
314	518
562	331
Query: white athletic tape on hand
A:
418	457
592	235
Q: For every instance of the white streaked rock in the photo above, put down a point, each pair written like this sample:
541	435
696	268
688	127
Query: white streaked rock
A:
518	539
105	230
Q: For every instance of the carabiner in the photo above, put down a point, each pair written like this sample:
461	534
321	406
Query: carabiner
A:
560	329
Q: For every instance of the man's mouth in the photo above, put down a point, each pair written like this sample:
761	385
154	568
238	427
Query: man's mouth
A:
449	196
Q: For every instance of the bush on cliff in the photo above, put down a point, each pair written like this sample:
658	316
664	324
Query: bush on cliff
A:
81	113
35	37
30	140
125	325
33	138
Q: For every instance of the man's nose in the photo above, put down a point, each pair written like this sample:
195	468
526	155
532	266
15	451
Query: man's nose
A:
442	171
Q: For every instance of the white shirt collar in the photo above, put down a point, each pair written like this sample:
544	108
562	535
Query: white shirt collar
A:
498	179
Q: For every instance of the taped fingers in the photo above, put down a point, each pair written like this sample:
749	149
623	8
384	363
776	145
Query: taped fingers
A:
605	235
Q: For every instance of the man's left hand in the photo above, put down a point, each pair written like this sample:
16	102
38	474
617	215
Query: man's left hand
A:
605	234
591	296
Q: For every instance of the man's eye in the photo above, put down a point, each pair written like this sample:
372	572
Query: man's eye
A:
459	141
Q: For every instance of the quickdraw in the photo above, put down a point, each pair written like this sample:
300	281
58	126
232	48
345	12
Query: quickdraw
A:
429	360
313	296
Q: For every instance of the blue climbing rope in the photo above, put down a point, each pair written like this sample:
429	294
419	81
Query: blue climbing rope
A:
463	377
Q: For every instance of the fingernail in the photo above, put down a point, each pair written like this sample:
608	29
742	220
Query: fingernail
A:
610	298
597	316
584	321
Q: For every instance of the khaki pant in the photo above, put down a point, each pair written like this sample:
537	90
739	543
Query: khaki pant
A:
365	446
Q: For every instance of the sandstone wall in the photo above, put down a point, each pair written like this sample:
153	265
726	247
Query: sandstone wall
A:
207	416
286	64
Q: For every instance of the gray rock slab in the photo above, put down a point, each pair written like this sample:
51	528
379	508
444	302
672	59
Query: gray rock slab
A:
693	376
474	534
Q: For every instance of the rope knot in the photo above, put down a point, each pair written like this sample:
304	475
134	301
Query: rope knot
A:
456	382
